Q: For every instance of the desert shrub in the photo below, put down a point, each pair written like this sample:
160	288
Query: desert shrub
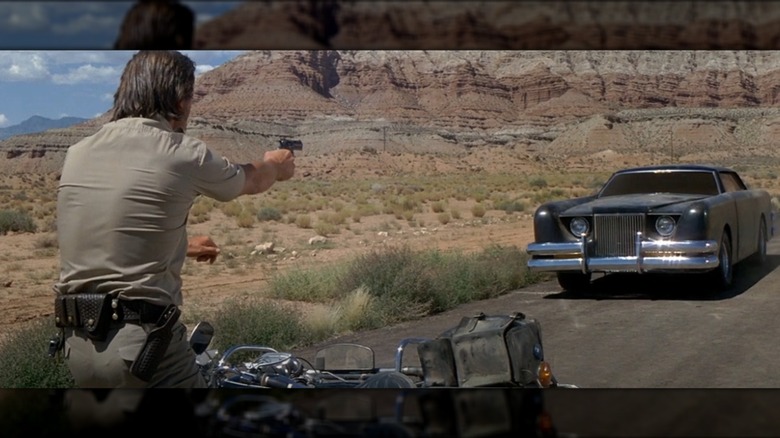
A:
256	321
245	220
538	183
357	310
455	213
315	285
510	206
444	218
24	362
269	214
478	210
232	208
325	228
543	196
47	241
410	284
334	218
437	207
303	221
393	285
16	221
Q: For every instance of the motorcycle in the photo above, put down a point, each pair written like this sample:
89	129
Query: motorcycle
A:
478	362
340	365
417	406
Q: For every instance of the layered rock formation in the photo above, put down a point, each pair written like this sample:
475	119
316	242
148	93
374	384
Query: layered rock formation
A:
542	104
520	25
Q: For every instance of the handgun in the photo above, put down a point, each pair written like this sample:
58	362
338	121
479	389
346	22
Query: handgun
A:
292	145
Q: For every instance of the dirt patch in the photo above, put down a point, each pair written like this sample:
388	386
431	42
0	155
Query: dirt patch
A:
30	267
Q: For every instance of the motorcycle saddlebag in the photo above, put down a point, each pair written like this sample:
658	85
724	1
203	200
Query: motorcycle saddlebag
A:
500	350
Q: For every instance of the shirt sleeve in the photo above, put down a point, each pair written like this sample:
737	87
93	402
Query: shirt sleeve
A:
218	178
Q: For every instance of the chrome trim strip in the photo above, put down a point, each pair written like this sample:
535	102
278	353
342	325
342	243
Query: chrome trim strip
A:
689	255
627	264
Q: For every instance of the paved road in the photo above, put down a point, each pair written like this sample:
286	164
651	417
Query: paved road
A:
650	332
645	331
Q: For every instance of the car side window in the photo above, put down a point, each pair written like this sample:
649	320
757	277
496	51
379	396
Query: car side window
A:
731	182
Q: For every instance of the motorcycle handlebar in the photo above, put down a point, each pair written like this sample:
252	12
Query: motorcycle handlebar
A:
279	381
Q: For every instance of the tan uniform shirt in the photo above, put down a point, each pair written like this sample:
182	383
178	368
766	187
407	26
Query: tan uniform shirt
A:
122	207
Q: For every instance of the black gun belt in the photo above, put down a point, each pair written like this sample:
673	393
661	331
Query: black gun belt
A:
140	311
86	310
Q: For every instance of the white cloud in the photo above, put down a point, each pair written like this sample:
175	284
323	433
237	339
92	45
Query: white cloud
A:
65	57
88	73
21	66
200	69
107	97
97	115
79	66
4	121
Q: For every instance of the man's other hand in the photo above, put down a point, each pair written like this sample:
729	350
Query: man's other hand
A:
202	248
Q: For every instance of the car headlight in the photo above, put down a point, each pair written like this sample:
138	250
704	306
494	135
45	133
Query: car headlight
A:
579	226
665	225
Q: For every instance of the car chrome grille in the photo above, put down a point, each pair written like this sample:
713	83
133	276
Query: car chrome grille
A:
614	234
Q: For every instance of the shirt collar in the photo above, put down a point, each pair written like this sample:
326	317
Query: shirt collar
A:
157	121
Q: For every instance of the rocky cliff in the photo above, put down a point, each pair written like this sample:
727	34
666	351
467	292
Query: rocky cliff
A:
517	25
542	104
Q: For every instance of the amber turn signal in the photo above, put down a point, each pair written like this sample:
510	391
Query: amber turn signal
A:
545	375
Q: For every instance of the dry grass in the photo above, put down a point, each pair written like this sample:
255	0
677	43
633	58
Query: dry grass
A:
437	210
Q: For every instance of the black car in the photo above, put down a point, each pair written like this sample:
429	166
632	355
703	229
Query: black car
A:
673	218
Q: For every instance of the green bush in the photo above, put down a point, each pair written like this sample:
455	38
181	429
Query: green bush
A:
315	286
538	183
374	290
17	221
25	363
510	206
269	214
255	321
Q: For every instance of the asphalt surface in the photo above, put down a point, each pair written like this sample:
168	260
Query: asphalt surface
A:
635	331
652	355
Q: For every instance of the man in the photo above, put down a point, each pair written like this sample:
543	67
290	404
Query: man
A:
122	207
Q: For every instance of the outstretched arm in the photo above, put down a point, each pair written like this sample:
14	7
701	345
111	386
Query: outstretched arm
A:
277	165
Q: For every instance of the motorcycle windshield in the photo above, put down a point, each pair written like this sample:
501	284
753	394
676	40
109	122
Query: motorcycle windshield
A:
345	358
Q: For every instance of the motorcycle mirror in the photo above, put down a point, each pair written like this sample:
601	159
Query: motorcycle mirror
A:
200	338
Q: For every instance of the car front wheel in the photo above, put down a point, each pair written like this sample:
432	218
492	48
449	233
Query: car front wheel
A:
723	276
574	281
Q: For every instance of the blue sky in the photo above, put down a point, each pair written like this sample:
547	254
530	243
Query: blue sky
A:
77	24
58	83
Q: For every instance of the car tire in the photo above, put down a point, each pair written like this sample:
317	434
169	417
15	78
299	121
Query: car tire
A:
574	281
723	276
759	257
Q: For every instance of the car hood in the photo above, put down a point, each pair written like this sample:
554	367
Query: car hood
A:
636	203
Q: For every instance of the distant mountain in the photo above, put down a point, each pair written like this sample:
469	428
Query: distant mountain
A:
38	124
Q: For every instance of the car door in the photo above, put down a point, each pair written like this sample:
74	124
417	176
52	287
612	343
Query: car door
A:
745	234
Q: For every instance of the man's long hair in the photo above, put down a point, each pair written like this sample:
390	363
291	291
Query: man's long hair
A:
152	84
157	24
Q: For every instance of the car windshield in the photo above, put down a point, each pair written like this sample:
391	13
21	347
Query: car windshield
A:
689	182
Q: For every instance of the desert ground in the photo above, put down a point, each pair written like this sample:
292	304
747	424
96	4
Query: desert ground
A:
423	208
29	263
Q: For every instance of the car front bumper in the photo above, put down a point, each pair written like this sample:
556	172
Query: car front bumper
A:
651	255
